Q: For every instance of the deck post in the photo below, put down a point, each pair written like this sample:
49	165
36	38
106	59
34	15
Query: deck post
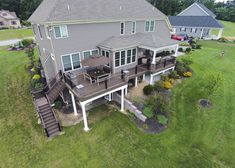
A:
143	77
176	50
126	91
154	57
110	97
86	128
74	104
220	33
122	100
136	81
151	79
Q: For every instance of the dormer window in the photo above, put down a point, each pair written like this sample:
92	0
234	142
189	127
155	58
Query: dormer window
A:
61	31
122	28
149	26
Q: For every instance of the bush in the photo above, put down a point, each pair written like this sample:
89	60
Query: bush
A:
26	23
184	44
188	74
57	105
157	103
187	61
198	46
172	81
27	42
167	85
180	68
148	89
39	86
36	77
222	39
158	86
180	49
148	112
174	75
164	78
162	119
188	50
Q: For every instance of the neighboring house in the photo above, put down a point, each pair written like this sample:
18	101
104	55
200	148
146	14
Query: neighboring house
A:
197	21
9	19
124	39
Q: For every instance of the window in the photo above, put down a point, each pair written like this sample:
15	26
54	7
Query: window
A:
89	53
122	28
71	61
123	57
128	56
39	31
1	23
106	54
134	55
13	22
61	31
133	30
47	30
193	30
183	29
149	26
117	59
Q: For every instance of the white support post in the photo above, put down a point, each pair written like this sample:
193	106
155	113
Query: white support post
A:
220	33
74	104
143	77
201	34
110	97
86	128
122	100
136	81
126	91
151	79
154	57
176	50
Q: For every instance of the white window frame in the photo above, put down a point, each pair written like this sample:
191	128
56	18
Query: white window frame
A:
183	29
90	52
39	32
124	27
127	56
133	28
193	30
117	59
47	32
71	59
149	27
120	65
67	34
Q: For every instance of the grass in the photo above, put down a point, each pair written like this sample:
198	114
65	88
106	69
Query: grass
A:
195	138
229	30
15	34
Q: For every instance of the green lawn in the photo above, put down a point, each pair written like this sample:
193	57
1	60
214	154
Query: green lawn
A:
195	138
229	30
15	34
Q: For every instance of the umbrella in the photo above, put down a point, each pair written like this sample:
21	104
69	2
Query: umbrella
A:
95	61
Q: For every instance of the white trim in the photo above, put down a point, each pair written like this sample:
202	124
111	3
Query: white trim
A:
157	49
191	7
67	33
71	59
158	73
124	27
39	31
47	32
133	28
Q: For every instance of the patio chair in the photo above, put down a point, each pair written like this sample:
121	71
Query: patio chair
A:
88	77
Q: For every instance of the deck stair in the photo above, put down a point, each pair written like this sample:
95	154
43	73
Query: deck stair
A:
53	93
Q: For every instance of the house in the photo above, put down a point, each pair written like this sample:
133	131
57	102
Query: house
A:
197	21
93	50
9	19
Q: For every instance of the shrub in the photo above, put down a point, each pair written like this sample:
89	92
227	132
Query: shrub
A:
158	86
27	42
148	89
157	103
167	85
172	81
187	61
26	23
164	78
188	50
148	112
180	49
222	39
36	77
184	44
57	105
162	119
188	74
33	70
194	46
39	86
174	75
180	68
198	46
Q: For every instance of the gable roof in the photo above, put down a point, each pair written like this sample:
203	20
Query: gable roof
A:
202	7
195	21
10	15
138	39
94	10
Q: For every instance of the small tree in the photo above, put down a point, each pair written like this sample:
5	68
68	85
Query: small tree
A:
31	55
212	83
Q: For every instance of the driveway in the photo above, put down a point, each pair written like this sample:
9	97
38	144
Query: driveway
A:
11	42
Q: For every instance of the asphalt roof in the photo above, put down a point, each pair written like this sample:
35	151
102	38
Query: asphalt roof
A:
139	39
94	10
195	21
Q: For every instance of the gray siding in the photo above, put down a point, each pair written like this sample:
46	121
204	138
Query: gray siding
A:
198	33
193	11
